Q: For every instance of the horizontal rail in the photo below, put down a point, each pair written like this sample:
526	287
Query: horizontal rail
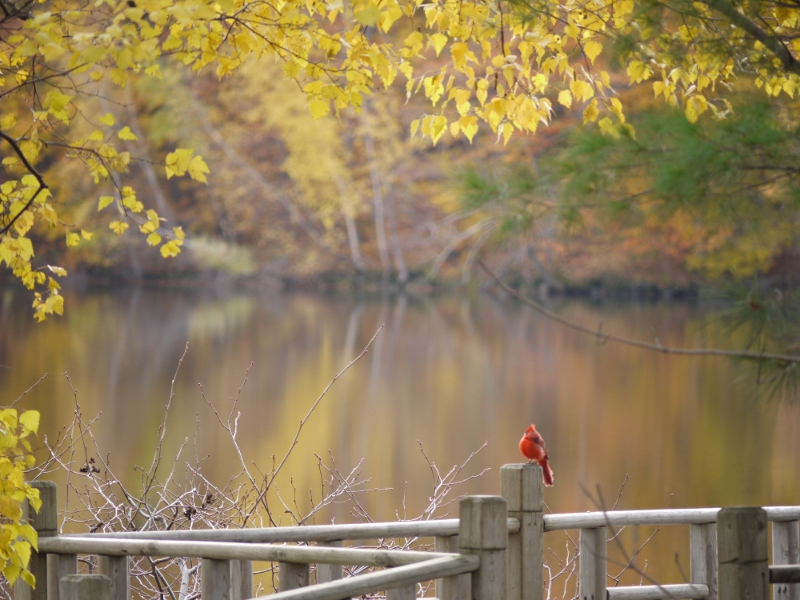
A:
309	533
234	551
784	574
381	580
657	592
667	516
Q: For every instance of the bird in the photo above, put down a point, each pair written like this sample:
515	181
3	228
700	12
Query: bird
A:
532	447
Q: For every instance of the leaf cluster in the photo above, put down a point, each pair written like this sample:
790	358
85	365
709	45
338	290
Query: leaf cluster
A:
17	537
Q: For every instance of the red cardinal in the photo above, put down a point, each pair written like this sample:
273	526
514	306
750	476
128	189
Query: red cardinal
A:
532	447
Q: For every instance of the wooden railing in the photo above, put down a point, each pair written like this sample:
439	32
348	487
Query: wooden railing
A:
493	551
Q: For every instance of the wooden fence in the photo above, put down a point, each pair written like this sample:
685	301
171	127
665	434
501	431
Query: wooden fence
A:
493	551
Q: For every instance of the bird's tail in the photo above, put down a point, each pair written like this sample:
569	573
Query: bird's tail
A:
547	472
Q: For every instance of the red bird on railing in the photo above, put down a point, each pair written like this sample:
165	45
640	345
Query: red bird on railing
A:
532	447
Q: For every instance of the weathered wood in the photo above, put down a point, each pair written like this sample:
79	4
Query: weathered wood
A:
241	579
785	551
457	587
58	567
117	569
592	574
328	572
381	580
784	574
233	551
406	592
310	533
667	516
85	587
690	591
703	556
293	575
45	522
483	533
215	579
521	485
743	554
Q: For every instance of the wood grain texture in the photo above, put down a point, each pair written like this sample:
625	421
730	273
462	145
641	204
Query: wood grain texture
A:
743	554
703	556
85	587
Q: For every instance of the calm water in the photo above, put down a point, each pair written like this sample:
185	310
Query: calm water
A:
446	373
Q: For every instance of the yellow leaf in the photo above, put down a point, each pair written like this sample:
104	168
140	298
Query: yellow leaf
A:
171	248
565	98
469	125
86	234
72	239
108	119
154	239
118	227
591	113
638	71
8	121
438	128
319	108
438	40
592	50
30	419
198	168
95	136
60	271
369	16
104	201
126	134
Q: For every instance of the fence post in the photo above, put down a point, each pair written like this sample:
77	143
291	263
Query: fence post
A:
241	579
521	485
483	531
593	564
743	553
786	551
117	569
215	579
456	587
326	573
703	556
85	587
45	522
292	575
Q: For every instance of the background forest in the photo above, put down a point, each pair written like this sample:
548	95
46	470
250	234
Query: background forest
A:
337	200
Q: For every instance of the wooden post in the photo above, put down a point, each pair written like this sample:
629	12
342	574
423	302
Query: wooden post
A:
521	485
241	579
483	531
786	551
58	567
85	587
45	522
215	579
117	569
703	556
743	554
292	575
593	564
326	573
407	592
456	587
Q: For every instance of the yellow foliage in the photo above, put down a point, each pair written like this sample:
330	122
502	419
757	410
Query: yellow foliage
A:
17	537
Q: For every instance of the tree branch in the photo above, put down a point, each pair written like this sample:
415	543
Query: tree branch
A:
42	185
772	43
655	346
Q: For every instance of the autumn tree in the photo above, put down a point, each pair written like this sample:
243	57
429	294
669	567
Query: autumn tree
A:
502	64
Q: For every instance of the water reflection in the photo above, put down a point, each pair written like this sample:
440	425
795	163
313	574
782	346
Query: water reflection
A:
448	373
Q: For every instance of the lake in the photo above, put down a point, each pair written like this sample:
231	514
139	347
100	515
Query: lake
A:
445	375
